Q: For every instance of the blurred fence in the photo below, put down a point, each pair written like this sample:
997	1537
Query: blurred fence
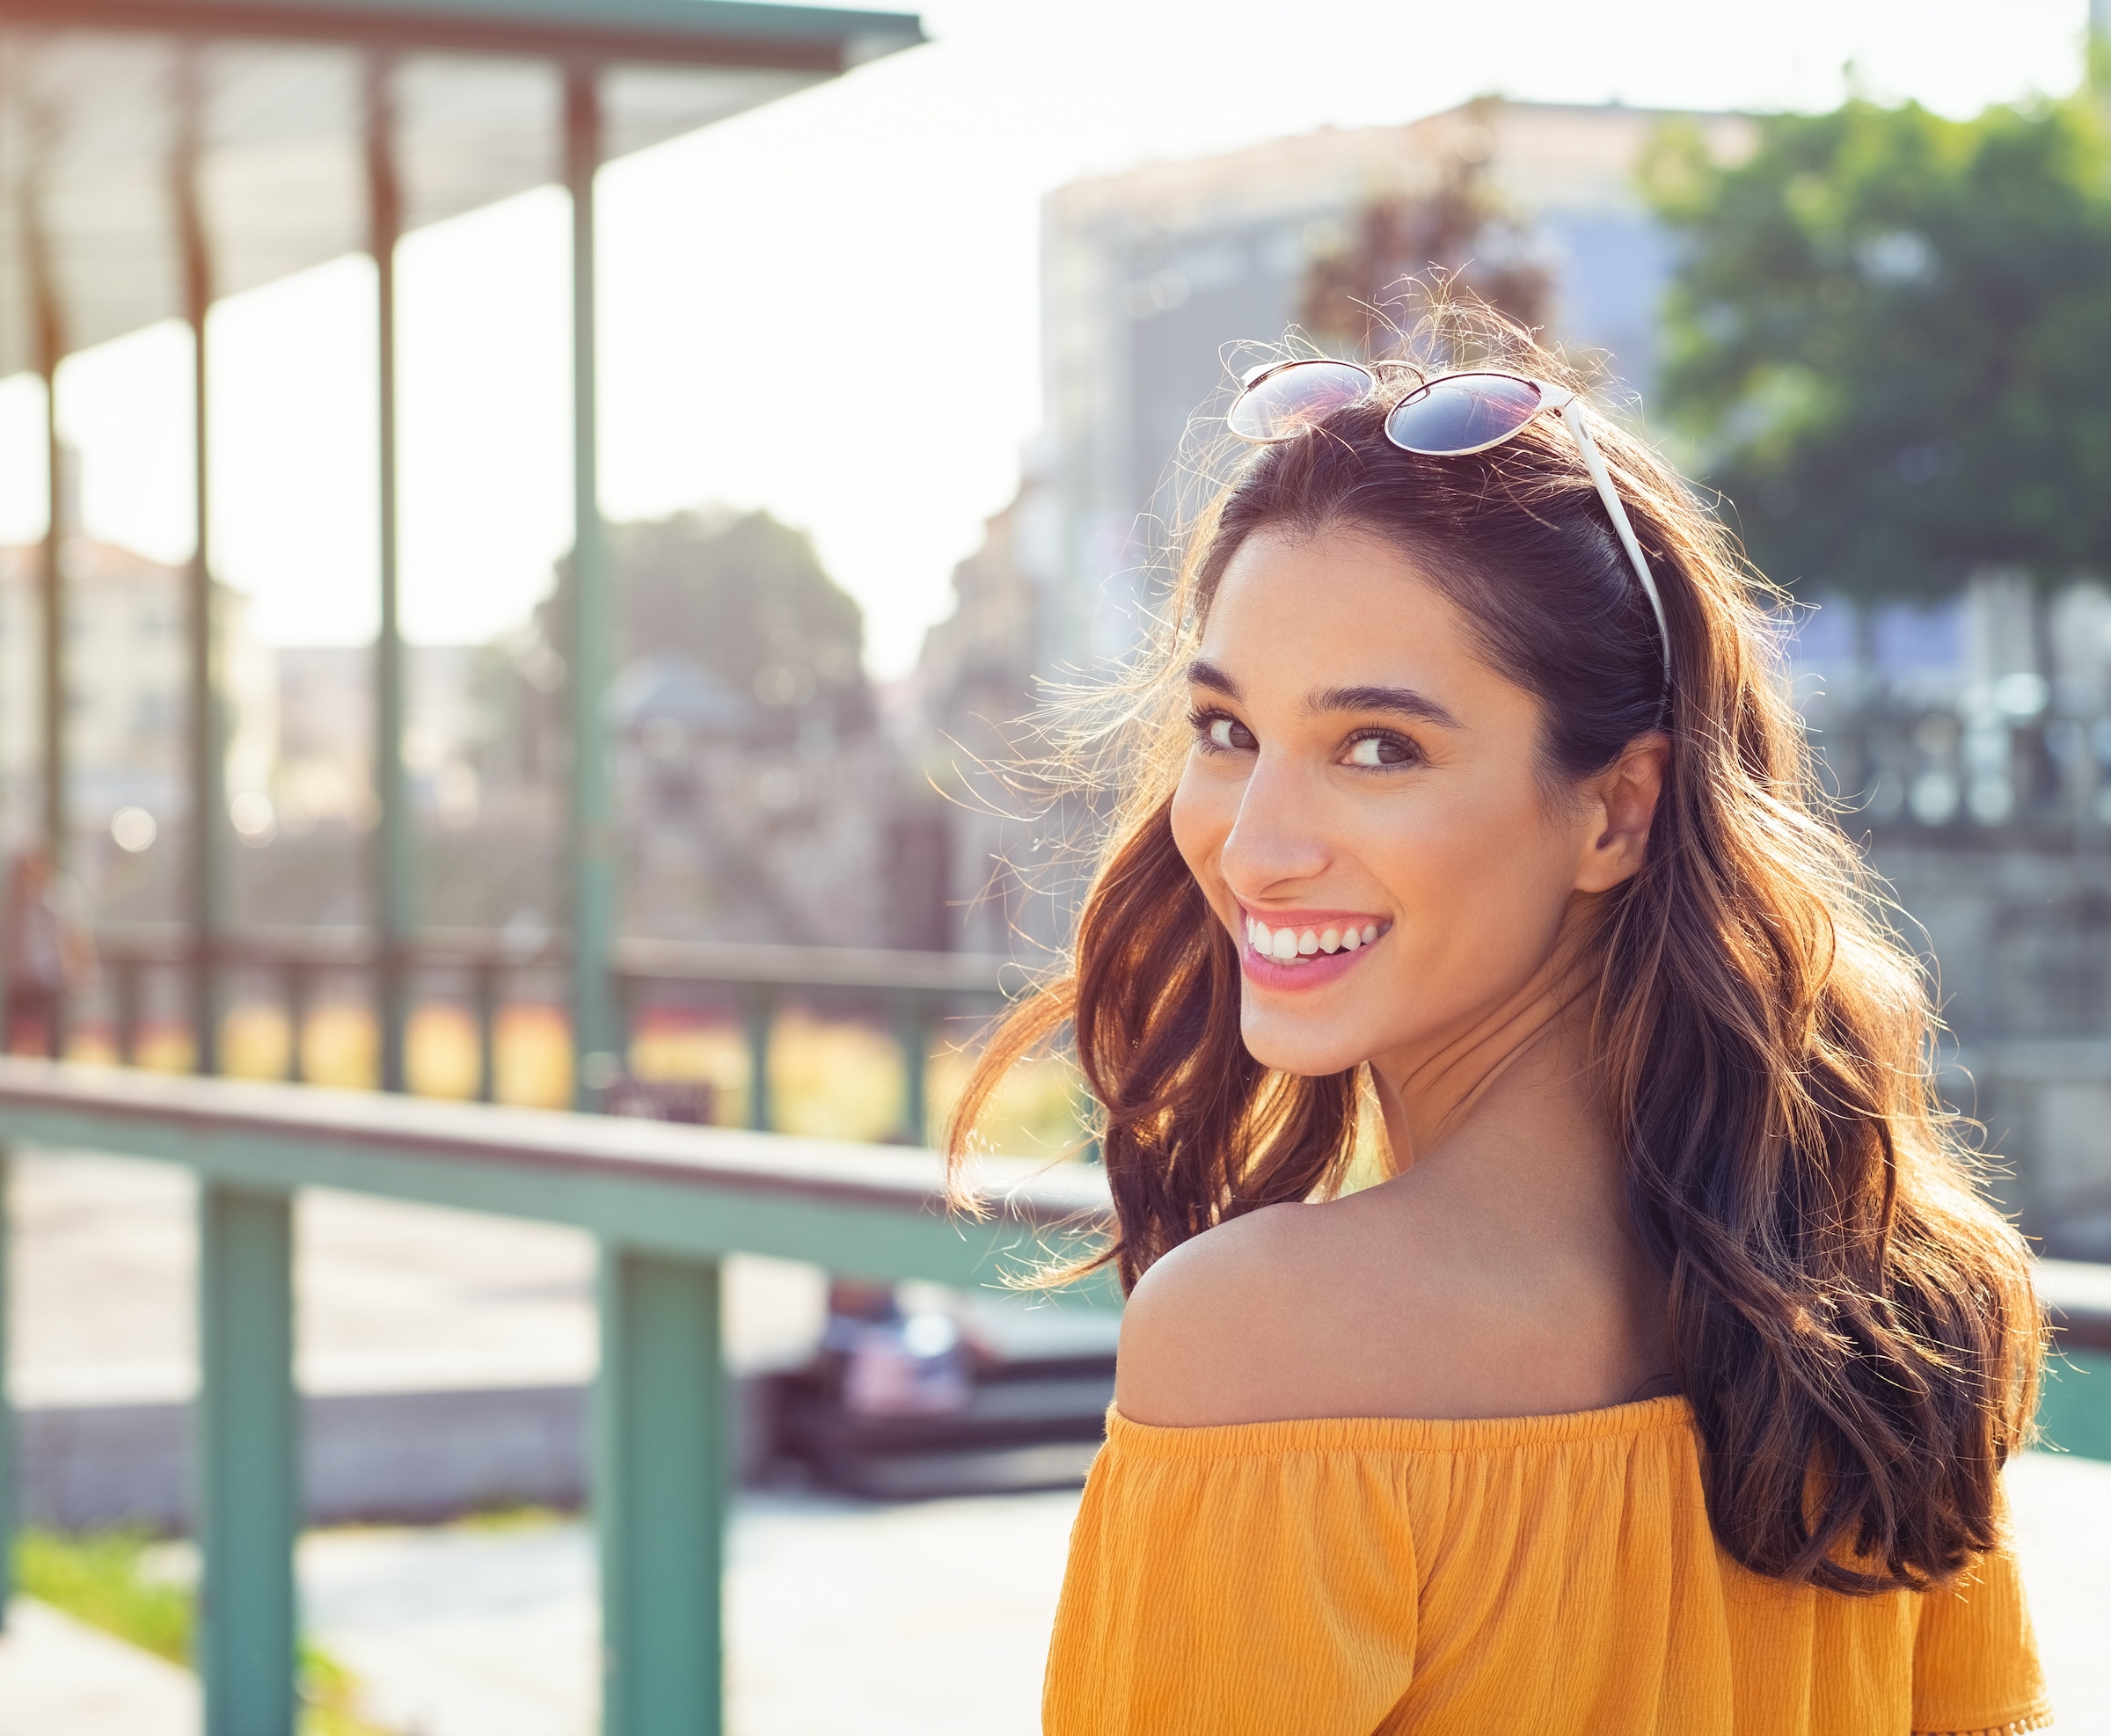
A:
1980	788
482	972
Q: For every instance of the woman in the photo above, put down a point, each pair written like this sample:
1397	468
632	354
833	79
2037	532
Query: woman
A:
1664	1382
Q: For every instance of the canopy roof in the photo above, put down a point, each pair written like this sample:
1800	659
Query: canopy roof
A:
93	112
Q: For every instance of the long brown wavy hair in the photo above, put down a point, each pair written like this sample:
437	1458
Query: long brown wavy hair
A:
1854	1326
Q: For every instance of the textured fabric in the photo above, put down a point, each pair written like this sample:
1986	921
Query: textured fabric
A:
1549	1574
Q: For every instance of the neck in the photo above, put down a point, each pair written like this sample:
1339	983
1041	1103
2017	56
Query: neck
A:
1525	1056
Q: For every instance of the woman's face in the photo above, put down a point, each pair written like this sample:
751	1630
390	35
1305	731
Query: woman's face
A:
1364	809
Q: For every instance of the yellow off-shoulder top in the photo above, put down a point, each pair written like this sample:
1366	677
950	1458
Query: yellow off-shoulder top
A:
1547	1575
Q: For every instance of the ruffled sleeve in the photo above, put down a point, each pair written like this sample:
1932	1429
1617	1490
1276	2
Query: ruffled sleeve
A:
1975	1662
1229	1592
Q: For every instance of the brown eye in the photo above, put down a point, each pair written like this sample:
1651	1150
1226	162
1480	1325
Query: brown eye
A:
1229	733
1382	750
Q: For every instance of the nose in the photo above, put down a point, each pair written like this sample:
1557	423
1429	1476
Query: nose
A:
1278	838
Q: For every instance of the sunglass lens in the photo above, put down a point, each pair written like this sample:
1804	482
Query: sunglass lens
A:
1278	404
1462	413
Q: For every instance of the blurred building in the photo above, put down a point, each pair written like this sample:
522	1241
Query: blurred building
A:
1153	279
128	690
984	669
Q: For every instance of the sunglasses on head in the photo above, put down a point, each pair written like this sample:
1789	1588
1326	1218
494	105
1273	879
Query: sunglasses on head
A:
1453	416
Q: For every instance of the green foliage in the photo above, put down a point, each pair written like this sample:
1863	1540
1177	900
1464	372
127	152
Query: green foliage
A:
749	600
107	1580
99	1578
741	596
1890	335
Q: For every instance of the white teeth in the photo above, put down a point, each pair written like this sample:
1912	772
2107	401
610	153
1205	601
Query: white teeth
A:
1292	946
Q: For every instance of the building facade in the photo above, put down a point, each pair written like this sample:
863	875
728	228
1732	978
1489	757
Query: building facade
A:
128	698
1162	285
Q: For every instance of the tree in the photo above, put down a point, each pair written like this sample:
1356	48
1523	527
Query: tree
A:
1890	335
1461	230
741	595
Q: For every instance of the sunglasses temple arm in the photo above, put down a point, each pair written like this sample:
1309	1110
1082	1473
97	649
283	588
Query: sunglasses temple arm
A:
1572	413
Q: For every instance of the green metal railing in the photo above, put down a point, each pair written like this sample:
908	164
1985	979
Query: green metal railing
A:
667	1205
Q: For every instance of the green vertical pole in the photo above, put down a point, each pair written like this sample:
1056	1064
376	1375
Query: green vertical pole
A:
487	1033
395	868
762	1016
51	577
125	990
590	631
207	762
247	1443
296	1023
914	1036
8	1469
660	1483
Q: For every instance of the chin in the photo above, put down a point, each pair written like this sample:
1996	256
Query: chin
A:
1283	1046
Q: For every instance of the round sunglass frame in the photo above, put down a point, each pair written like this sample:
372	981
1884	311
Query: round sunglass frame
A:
1546	397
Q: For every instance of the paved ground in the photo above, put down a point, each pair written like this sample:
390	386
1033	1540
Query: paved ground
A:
59	1678
923	1620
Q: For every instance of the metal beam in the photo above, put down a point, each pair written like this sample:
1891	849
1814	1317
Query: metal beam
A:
394	868
696	32
761	1022
51	345
207	889
592	830
248	1462
662	1422
49	330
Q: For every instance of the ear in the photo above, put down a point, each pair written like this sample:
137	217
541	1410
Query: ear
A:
1620	803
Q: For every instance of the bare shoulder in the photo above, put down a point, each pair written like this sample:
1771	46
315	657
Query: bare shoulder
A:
1218	1331
1381	1304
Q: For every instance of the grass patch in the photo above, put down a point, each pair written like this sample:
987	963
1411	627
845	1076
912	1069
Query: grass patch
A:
98	1577
107	1580
520	1516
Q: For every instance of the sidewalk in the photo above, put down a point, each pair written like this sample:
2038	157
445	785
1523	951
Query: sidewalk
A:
59	1678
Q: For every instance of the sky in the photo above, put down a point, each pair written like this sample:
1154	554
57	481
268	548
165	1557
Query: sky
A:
829	307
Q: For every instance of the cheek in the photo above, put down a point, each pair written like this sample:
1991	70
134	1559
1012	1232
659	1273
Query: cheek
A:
1201	818
1483	881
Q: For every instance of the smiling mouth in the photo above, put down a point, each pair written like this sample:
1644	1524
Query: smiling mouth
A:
1295	944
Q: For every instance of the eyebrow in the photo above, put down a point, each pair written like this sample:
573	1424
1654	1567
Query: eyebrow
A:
1401	701
1405	701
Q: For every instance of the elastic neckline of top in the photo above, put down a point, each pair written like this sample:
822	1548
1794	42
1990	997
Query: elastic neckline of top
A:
1396	1435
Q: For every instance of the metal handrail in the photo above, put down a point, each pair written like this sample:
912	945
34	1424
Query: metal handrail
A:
666	1204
